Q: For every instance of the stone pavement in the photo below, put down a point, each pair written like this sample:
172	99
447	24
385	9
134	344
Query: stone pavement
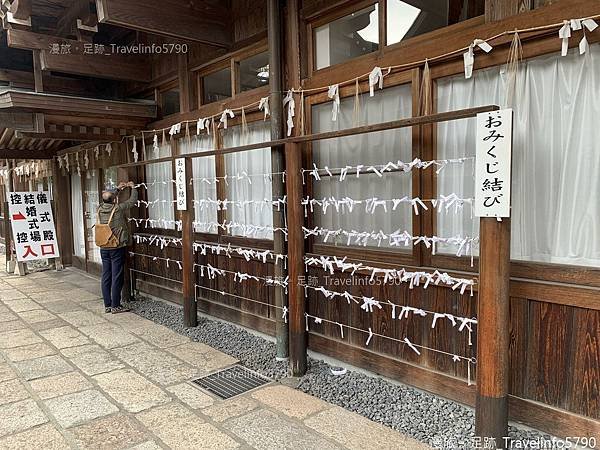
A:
74	377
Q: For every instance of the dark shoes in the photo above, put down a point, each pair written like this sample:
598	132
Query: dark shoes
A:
107	310
120	309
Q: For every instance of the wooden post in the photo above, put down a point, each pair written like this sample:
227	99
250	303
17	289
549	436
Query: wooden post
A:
491	410
190	311
294	188
7	240
277	165
62	213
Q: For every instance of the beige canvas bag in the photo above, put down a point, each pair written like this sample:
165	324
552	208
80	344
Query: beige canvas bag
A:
104	236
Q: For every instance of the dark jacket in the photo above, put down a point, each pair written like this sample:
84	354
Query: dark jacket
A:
119	224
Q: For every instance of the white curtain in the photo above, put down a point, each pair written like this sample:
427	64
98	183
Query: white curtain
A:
77	216
556	162
203	168
367	149
158	179
253	162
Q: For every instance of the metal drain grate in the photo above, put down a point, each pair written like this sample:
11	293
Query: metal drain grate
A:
232	381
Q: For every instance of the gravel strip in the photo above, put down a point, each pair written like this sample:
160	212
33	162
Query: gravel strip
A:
423	416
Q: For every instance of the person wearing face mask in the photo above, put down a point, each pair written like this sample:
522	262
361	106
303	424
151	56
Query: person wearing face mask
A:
112	236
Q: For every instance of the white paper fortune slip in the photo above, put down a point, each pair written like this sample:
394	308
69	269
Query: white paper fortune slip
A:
493	163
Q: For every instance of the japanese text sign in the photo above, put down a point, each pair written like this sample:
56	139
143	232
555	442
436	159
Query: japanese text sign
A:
492	163
32	223
180	184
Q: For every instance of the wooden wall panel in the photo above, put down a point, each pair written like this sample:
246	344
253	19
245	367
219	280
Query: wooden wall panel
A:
249	18
584	391
548	357
519	334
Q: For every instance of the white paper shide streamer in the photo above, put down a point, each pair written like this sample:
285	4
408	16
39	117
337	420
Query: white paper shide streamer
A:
469	55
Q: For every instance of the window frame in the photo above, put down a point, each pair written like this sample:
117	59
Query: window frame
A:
229	61
531	271
316	20
160	92
414	258
221	236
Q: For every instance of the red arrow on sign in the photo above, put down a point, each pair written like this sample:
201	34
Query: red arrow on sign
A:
19	216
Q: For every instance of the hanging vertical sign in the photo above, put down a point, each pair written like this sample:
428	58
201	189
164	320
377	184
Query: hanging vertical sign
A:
32	225
492	163
180	184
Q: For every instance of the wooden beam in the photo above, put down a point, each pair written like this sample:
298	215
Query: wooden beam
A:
14	153
114	67
22	121
195	21
55	103
77	133
79	60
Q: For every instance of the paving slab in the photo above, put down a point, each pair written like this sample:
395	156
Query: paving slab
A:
202	356
18	338
191	395
233	407
291	402
20	416
92	359
45	437
161	337
37	315
180	428
7	316
32	369
149	445
6	372
80	407
156	364
109	433
82	318
32	351
54	323
22	305
12	391
64	337
132	391
109	335
266	430
336	422
12	325
62	384
61	306
11	294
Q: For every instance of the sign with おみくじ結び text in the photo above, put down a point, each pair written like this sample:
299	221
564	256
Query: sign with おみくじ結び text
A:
492	163
180	186
32	225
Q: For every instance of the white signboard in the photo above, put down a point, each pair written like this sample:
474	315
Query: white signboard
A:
32	223
180	184
492	163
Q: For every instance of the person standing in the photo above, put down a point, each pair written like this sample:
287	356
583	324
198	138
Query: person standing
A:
113	253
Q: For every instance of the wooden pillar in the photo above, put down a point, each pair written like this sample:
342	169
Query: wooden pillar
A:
61	195
491	410
190	311
8	187
295	216
277	165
